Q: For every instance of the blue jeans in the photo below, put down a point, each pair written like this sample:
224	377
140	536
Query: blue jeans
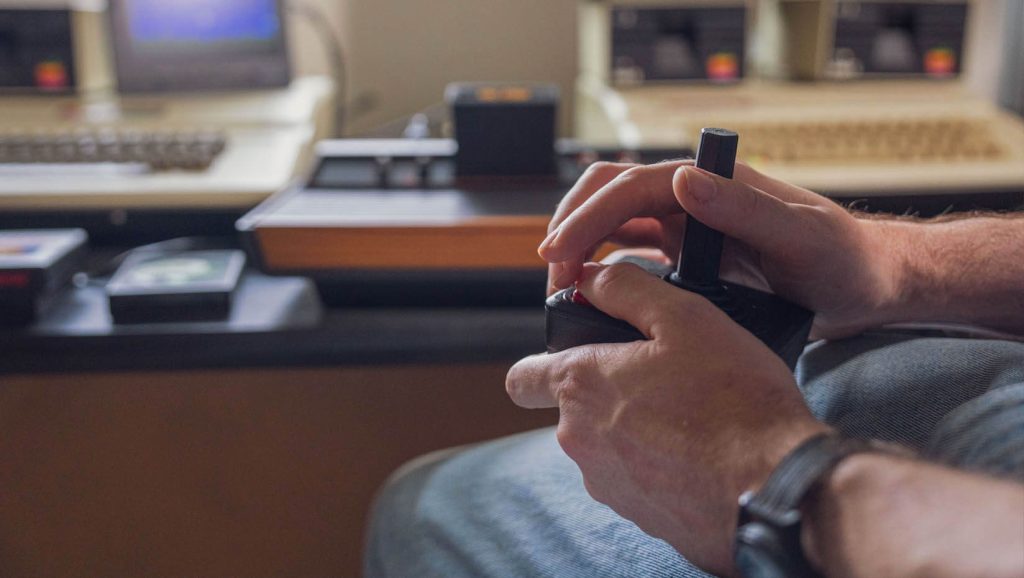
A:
517	506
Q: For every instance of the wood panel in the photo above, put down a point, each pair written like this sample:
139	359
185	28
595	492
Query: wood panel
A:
484	243
228	473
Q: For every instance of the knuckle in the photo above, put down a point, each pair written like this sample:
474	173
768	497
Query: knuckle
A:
613	278
685	309
569	439
571	383
604	170
633	176
751	201
819	221
819	213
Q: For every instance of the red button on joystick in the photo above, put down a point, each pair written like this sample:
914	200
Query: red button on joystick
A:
578	298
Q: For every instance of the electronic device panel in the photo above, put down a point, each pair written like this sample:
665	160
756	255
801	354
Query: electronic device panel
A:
134	150
628	43
36	51
227	150
869	39
898	38
382	222
867	139
677	43
34	266
188	45
504	129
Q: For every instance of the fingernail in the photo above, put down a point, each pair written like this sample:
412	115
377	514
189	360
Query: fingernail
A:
700	185
548	242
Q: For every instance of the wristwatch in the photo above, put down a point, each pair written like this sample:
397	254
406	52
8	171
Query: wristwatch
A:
768	533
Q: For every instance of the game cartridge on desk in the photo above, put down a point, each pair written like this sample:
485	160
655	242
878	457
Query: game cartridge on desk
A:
781	325
153	287
34	266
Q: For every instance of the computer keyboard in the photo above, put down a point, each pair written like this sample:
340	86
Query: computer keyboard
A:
869	141
846	140
156	150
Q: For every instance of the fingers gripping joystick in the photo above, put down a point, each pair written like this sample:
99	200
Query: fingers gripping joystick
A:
782	326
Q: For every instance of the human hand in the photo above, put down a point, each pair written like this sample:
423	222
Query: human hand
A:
780	237
669	432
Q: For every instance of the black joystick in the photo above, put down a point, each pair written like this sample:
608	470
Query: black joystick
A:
781	325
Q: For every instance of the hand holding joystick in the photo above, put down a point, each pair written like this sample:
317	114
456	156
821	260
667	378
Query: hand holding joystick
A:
781	325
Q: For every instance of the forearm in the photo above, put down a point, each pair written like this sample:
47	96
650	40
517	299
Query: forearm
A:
961	270
885	516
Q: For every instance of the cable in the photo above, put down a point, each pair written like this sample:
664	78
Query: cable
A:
423	123
321	26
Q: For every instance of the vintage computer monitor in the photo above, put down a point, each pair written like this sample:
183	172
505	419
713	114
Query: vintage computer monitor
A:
853	39
189	45
37	52
169	144
639	42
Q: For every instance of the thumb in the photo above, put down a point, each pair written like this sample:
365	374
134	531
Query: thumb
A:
739	210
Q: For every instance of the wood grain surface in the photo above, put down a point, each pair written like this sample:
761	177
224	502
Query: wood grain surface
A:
227	473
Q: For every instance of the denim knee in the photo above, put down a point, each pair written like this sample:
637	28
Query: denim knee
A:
899	387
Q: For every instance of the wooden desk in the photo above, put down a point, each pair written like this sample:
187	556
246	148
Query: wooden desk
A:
222	473
250	447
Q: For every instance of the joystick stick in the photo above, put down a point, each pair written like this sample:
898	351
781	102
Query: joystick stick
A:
781	325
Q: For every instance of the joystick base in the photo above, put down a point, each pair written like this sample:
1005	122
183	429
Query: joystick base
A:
781	325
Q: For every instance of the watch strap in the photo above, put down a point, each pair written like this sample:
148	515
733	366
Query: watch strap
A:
780	497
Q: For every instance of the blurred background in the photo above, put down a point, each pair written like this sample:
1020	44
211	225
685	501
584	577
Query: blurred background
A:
256	254
398	64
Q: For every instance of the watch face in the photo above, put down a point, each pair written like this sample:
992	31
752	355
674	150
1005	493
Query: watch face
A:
752	562
759	552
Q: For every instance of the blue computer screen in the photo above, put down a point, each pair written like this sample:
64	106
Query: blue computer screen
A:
202	21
